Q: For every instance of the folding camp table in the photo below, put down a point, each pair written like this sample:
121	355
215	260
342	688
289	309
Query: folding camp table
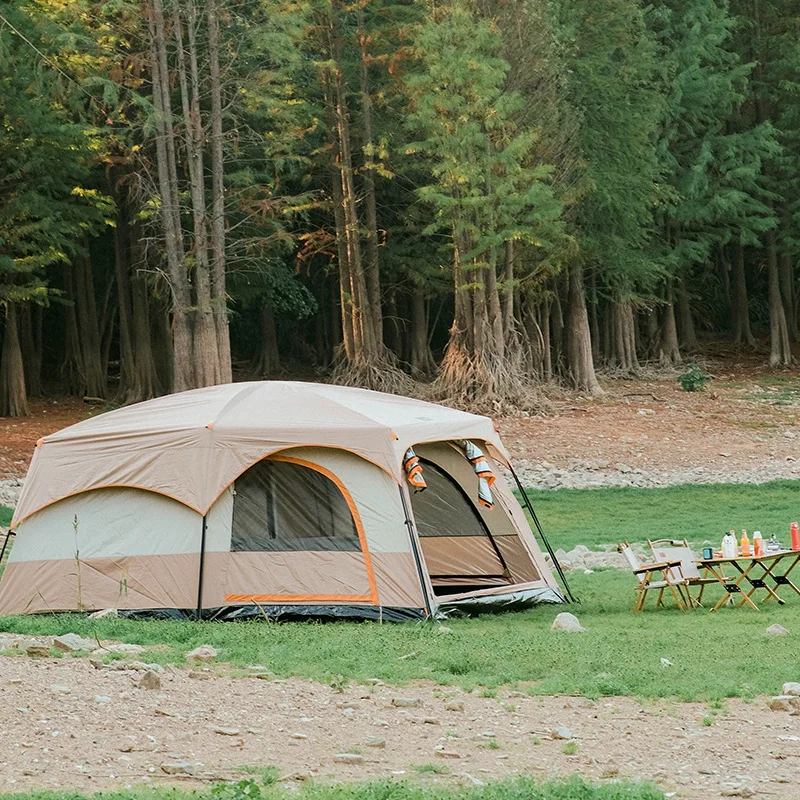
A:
755	572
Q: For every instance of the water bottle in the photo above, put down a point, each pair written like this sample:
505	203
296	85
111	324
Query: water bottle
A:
795	531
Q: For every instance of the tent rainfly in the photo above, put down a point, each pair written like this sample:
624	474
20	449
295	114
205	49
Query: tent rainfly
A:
273	498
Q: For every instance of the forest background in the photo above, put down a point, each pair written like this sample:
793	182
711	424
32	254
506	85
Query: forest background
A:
458	199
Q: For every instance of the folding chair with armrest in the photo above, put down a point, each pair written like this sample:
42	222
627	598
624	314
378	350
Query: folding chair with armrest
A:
654	576
688	575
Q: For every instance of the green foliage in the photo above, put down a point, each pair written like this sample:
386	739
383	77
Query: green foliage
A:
693	379
5	516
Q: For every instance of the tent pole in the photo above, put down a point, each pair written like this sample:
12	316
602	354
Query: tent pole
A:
412	536
536	522
199	611
5	544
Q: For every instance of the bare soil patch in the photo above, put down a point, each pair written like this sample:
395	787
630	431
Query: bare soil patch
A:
68	725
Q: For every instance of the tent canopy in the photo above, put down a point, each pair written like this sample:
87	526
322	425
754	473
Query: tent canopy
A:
191	446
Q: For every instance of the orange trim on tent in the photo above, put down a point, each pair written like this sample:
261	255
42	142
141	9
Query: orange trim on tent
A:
296	598
362	536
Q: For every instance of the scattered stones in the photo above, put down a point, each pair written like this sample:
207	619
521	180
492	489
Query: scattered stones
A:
561	732
784	702
375	741
792	689
37	651
349	758
122	648
776	630
150	680
72	643
180	767
57	688
454	705
567	622
224	731
205	653
406	702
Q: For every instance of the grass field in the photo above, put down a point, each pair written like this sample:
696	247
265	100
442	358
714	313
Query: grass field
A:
5	516
712	655
521	789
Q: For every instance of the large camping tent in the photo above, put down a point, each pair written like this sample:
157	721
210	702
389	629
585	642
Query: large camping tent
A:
277	498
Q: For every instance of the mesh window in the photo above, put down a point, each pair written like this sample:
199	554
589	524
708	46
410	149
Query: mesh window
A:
279	506
442	509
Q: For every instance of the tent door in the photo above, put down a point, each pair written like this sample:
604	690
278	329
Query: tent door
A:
460	553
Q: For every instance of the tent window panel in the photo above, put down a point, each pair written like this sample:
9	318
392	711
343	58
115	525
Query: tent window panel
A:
442	509
279	506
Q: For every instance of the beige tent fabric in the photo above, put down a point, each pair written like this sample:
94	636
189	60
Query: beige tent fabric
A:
191	446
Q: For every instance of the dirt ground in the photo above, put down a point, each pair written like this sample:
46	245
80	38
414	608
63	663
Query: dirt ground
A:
66	724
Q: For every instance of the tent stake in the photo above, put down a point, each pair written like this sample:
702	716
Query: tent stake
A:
536	522
413	538
202	566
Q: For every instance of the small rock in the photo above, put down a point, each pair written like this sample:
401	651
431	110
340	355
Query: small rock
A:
101	698
426	721
447	754
106	612
150	680
454	705
123	648
180	767
72	643
38	651
349	758
561	732
665	662
567	622
224	731
298	736
406	702
465	779
738	791
588	572
375	741
373	682
792	689
776	630
201	674
781	702
205	653
444	629
58	689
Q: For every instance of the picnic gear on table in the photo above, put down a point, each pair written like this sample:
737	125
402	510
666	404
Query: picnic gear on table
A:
708	552
745	543
795	531
687	574
729	545
758	544
755	572
653	576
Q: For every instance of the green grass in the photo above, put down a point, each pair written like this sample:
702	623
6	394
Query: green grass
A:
5	516
519	789
713	656
594	517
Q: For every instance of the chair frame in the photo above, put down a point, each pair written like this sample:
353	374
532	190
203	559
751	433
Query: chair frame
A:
656	575
686	580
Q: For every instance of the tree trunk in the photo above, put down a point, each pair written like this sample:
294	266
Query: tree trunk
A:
780	353
182	370
557	329
71	370
740	315
371	262
594	324
31	342
507	298
547	349
422	363
669	349
788	294
579	340
13	398
218	262
89	329
268	360
493	307
624	355
688	336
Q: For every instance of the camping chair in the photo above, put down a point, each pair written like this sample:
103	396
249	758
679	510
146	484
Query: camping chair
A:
688	575
654	576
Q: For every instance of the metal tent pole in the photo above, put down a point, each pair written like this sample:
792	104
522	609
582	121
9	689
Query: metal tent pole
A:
536	522
415	551
199	612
